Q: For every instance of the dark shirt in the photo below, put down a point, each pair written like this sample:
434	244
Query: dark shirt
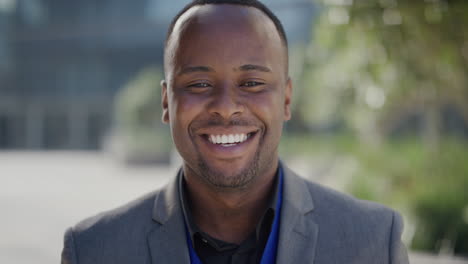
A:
214	251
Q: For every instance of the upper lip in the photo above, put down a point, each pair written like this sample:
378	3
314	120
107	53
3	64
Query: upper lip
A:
226	131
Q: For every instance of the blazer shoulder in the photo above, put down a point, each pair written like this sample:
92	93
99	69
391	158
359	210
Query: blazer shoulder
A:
367	229
133	211
327	199
114	236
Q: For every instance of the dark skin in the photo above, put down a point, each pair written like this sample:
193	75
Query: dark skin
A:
226	74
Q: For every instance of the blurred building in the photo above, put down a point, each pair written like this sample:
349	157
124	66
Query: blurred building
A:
63	61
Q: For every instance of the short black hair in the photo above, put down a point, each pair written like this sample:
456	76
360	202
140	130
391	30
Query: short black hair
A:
248	3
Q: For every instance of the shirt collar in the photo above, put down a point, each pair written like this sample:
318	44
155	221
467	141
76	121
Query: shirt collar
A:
267	218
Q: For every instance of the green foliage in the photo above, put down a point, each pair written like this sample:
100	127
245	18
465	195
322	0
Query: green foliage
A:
138	103
371	63
431	186
371	66
138	118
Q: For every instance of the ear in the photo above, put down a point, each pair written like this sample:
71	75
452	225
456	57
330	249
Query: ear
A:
287	100
164	104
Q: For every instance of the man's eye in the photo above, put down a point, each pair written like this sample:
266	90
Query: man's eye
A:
251	84
198	87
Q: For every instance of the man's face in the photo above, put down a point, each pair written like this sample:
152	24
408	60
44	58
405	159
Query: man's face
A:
226	93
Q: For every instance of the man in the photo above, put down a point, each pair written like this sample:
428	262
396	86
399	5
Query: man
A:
225	96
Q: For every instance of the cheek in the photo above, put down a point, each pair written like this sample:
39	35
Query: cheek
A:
269	109
181	114
182	111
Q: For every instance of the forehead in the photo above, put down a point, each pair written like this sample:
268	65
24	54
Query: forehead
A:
224	31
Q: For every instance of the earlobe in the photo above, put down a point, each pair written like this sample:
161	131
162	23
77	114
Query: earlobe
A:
164	102
287	100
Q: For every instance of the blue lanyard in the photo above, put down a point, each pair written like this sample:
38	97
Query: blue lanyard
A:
269	253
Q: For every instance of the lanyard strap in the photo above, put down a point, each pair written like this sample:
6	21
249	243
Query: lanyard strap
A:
269	253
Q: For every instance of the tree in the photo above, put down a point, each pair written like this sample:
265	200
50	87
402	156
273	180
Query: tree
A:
140	136
374	64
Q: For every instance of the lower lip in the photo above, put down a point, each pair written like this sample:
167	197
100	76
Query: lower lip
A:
225	151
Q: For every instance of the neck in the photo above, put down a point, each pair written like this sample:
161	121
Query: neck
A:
233	215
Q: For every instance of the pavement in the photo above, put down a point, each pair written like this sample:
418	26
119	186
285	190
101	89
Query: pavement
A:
43	193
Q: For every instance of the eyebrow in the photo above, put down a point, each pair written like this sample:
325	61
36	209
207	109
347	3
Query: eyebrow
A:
246	67
191	69
252	67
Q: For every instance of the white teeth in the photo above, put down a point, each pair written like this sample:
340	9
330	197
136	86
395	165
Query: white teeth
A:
227	139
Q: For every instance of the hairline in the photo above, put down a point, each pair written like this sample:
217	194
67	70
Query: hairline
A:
266	11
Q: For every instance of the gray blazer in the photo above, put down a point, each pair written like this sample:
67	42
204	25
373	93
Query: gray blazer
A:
318	225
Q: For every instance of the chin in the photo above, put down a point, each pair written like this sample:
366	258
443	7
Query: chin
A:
229	178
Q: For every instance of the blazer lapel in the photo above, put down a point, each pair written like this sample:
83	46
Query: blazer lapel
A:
298	232
167	241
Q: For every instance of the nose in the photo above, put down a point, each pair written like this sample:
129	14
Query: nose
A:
226	102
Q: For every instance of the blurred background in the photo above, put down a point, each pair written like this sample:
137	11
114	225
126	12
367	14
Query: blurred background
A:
380	111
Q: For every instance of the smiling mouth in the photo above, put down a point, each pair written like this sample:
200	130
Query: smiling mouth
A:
229	140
